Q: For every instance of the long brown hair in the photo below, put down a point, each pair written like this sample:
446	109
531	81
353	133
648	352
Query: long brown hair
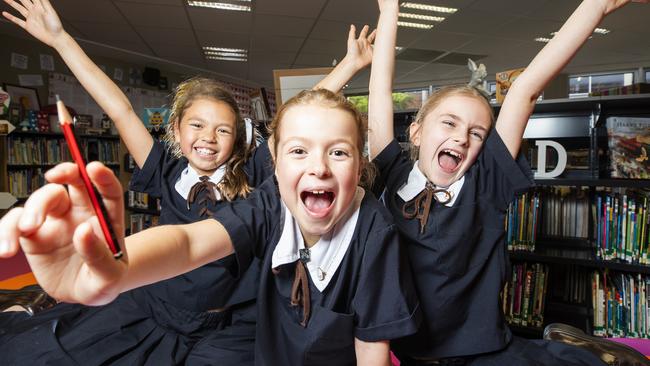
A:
234	183
328	99
437	97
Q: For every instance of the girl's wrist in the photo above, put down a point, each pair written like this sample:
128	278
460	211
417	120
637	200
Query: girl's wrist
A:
62	40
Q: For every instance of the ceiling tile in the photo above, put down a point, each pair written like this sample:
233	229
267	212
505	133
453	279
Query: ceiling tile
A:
154	15
333	31
507	7
281	25
336	49
355	12
215	20
294	8
98	11
269	43
223	39
170	36
314	60
155	2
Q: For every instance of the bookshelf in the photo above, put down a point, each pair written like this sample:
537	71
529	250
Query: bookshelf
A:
29	154
588	227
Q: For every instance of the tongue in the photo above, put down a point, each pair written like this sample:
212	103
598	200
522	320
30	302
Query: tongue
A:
447	162
317	202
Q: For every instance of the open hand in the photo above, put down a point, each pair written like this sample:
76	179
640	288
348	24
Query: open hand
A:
38	18
61	237
360	49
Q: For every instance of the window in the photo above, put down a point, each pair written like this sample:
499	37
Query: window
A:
580	86
647	76
403	100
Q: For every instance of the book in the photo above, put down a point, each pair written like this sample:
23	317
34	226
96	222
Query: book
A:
628	141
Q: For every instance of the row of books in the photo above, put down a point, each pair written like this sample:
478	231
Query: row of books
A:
25	181
523	297
142	201
621	304
139	222
53	151
547	212
622	226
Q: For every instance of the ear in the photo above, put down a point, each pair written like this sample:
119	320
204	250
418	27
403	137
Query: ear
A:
415	130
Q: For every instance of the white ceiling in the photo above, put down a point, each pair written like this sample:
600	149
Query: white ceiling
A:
281	34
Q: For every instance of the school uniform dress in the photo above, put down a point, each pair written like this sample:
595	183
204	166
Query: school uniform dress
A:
157	324
460	261
312	303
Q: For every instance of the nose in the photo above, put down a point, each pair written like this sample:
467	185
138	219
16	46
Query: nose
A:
209	136
319	166
461	137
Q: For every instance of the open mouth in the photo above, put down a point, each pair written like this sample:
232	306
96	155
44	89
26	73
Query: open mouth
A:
317	202
450	160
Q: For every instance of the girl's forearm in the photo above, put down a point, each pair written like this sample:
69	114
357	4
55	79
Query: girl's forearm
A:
108	95
166	251
380	99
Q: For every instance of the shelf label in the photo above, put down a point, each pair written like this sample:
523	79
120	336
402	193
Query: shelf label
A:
6	200
541	159
6	127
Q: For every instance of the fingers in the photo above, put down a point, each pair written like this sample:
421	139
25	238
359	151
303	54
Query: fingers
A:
19	8
364	32
51	199
9	233
19	22
352	33
371	37
105	271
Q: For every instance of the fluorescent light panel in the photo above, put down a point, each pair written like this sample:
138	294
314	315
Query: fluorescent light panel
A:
221	5
223	49
601	30
421	17
437	9
414	25
225	54
542	39
226	58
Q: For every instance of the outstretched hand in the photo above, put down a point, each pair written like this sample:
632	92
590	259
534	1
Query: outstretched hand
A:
38	18
61	237
360	49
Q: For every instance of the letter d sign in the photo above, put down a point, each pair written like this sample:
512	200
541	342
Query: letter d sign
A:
541	159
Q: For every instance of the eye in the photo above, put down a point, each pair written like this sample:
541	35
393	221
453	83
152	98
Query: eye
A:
339	153
477	135
449	123
224	131
196	125
297	151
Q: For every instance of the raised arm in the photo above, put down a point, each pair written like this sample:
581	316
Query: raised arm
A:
42	22
62	240
520	100
380	99
358	57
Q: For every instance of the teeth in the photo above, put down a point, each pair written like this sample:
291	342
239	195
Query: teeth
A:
453	153
204	151
318	192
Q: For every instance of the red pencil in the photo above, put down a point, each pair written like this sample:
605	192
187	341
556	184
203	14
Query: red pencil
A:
100	210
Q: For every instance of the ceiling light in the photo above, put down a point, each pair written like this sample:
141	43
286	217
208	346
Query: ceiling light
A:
542	39
421	17
601	30
225	54
437	9
415	25
226	58
399	49
223	49
234	6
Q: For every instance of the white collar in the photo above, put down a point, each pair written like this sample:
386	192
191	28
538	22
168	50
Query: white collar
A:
327	254
417	182
189	177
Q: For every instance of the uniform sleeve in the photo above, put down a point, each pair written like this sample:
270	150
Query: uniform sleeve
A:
259	166
393	166
502	176
148	178
385	304
248	223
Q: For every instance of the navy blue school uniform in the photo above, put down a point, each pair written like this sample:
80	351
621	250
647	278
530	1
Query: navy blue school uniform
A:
157	324
460	261
369	296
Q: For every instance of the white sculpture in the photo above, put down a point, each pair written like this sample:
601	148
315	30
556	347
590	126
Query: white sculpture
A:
478	77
